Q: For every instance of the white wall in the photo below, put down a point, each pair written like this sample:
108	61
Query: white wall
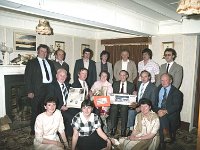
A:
73	36
186	48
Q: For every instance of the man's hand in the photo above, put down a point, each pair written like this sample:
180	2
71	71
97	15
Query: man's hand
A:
31	95
133	105
161	113
64	108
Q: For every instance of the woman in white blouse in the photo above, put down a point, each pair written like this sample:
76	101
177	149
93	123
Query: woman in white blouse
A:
47	125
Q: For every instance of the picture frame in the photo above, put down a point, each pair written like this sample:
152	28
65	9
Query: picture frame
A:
75	97
168	45
24	42
122	99
83	46
100	101
59	45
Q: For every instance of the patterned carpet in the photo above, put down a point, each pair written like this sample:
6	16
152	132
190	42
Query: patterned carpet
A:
19	139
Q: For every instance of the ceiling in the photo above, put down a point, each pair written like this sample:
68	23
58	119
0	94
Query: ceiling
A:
159	10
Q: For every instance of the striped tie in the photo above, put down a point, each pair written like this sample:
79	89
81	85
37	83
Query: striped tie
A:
141	91
64	91
163	104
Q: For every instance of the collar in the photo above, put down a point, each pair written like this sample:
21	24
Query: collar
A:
86	60
171	63
60	83
145	84
40	59
59	61
91	119
125	61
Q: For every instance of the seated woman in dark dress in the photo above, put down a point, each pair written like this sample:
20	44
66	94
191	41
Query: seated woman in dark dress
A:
88	134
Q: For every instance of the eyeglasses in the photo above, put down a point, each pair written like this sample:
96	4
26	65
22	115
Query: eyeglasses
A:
167	55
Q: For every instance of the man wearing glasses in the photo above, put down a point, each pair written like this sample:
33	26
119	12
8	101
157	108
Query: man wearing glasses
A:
172	68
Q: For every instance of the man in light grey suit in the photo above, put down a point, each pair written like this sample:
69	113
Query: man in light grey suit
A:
172	68
145	89
125	64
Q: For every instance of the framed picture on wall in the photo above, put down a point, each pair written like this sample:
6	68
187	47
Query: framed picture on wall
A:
83	46
167	45
24	42
59	45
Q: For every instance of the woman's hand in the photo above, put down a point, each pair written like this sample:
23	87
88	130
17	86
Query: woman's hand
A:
59	144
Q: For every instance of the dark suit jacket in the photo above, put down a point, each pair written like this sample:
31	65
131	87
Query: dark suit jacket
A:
76	84
149	93
174	104
65	66
33	76
56	92
92	75
116	86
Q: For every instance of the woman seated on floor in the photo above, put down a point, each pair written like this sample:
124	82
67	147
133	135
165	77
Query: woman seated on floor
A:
88	134
47	125
145	129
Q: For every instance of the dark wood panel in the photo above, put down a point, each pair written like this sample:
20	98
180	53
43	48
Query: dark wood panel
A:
134	50
138	40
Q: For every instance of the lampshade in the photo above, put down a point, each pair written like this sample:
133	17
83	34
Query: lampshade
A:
189	7
44	27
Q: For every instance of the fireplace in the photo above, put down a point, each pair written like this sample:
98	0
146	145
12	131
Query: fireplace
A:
12	93
17	104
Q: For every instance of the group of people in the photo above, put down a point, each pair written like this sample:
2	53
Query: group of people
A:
157	108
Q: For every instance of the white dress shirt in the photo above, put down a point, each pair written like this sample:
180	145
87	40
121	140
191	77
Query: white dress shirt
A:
44	78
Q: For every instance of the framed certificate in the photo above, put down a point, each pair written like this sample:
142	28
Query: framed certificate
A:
100	101
75	97
122	99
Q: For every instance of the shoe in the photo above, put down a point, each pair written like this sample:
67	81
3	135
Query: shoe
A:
162	146
123	133
129	133
167	137
32	133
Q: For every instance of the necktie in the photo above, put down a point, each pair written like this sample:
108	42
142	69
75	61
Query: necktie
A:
85	87
122	88
64	91
46	71
167	70
141	91
163	104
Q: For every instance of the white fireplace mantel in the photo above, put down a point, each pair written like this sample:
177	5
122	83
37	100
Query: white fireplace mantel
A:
7	70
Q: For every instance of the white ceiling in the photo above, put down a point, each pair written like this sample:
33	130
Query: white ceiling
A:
158	10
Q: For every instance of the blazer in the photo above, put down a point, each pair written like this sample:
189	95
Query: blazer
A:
176	71
33	76
110	70
149	93
131	69
56	92
116	87
92	74
174	105
65	66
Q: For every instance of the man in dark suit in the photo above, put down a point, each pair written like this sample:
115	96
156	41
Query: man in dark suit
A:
60	63
81	82
121	86
145	89
172	68
39	73
168	104
59	90
87	63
